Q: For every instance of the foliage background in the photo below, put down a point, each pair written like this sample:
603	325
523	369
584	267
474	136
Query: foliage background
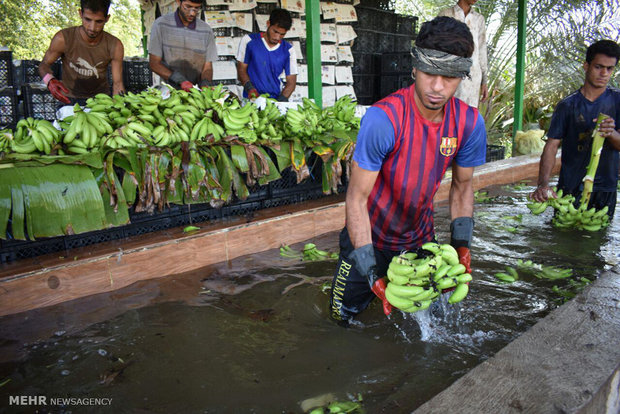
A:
27	28
558	34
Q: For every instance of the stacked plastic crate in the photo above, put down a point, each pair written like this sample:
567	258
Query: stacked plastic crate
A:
381	51
8	94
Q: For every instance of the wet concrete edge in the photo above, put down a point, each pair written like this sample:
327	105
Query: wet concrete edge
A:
568	362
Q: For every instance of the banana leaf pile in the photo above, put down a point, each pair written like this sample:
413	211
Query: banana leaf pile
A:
65	193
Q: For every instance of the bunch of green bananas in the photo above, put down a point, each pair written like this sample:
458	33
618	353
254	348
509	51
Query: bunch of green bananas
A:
85	130
509	276
340	116
6	137
34	135
309	253
207	130
567	215
415	282
241	121
544	272
266	128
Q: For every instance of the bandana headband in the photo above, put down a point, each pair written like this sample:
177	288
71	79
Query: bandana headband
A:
441	63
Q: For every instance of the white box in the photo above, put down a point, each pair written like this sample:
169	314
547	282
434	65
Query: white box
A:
344	54
329	96
343	90
297	47
329	53
225	46
329	9
219	18
297	6
243	21
218	2
328	76
224	70
345	33
242	5
298	29
328	33
261	21
301	91
344	74
302	75
345	13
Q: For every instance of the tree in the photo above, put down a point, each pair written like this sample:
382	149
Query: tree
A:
27	28
558	33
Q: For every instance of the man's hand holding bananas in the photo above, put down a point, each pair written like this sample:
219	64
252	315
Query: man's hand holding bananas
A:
366	264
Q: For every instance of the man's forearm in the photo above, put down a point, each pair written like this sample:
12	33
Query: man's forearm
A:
461	199
358	224
547	162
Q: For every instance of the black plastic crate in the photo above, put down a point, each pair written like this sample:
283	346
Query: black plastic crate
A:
194	213
12	250
241	208
9	113
365	63
366	40
147	226
406	24
6	68
287	184
137	75
401	42
495	152
39	102
93	237
392	83
366	18
396	63
238	32
285	200
365	86
265	8
222	31
385	21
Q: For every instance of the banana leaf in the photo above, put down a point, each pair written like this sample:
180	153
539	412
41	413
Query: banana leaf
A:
213	186
298	157
5	205
174	188
239	158
194	174
331	175
283	154
52	200
92	159
225	172
272	172
118	214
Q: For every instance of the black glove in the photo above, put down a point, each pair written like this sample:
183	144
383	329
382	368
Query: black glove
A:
176	79
250	90
461	230
365	263
281	98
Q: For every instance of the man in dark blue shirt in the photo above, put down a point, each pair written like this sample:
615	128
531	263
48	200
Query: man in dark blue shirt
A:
572	127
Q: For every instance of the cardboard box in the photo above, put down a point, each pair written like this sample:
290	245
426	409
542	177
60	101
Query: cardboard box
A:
328	75
329	54
344	54
298	29
328	33
219	18
329	96
345	13
302	75
261	21
329	10
218	2
344	74
297	6
343	90
224	70
297	47
301	91
345	33
237	5
225	46
243	21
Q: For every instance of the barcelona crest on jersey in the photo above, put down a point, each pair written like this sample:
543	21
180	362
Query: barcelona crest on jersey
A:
447	146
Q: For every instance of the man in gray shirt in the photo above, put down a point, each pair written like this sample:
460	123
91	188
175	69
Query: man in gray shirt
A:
182	47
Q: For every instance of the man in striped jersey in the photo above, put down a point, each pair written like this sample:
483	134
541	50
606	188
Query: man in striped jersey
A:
404	146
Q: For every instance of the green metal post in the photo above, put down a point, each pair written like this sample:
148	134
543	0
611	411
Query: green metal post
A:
313	50
520	73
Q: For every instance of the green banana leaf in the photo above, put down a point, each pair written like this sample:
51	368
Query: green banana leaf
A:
117	214
52	200
298	157
92	159
5	205
194	174
283	154
213	186
239	158
272	172
174	186
225	170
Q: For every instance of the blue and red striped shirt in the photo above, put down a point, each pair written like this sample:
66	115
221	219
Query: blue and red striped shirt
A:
412	155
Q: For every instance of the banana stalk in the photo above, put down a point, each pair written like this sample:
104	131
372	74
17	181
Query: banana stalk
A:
595	155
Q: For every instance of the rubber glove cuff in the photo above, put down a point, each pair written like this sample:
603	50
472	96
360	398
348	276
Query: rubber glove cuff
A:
176	78
282	98
461	231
